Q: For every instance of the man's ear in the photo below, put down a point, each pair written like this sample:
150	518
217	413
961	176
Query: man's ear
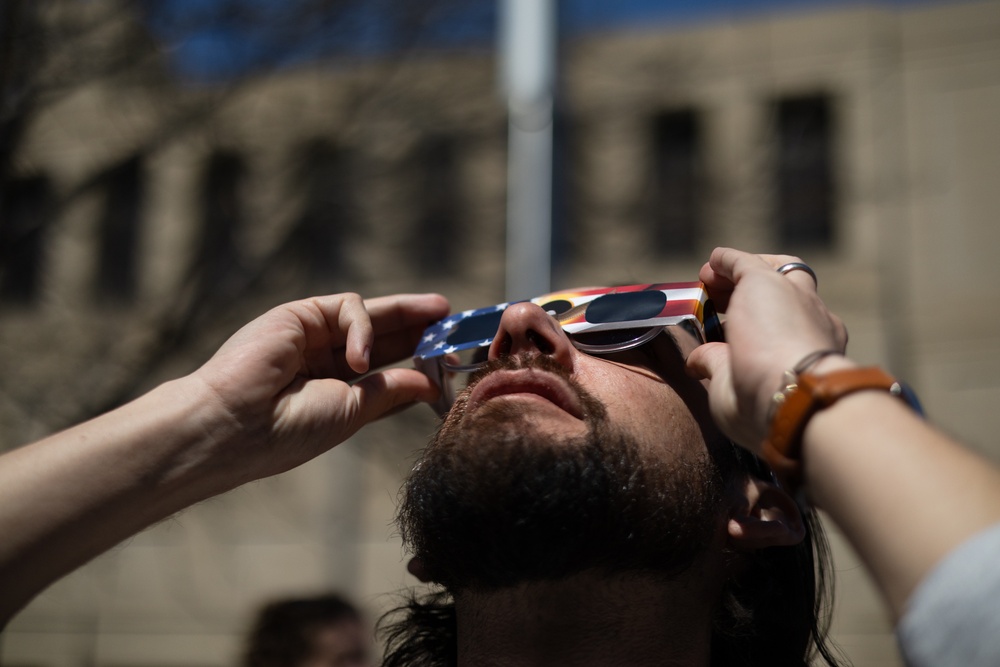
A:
764	516
417	569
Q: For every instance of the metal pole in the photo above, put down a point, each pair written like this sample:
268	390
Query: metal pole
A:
528	62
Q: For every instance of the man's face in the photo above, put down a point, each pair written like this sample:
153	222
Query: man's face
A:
554	461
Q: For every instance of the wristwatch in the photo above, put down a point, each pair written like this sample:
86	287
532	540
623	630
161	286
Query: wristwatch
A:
807	394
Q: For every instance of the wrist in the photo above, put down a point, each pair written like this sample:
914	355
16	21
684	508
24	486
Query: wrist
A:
832	363
809	392
197	438
818	362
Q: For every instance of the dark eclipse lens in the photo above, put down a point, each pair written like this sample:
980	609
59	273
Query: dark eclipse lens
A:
626	306
557	307
479	327
606	309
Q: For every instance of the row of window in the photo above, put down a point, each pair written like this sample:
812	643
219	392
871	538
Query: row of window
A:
803	176
317	240
804	205
27	208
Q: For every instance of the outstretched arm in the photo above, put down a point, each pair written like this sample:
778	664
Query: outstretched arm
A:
281	391
904	494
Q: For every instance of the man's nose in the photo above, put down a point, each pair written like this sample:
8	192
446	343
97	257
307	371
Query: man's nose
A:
526	328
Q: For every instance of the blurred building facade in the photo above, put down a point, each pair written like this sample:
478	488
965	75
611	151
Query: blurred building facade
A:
863	139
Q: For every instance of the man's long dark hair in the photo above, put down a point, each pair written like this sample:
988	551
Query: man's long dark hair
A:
775	614
778	611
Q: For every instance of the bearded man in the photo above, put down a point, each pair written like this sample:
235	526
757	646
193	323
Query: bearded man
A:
583	509
578	505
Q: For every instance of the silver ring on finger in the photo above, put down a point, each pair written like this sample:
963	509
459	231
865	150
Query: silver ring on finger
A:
798	266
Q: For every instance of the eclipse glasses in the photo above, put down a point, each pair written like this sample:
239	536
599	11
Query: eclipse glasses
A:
598	321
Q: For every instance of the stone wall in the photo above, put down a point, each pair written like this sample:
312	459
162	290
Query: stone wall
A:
914	96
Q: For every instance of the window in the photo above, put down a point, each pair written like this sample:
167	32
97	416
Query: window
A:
805	189
221	218
325	228
677	182
435	243
119	232
25	213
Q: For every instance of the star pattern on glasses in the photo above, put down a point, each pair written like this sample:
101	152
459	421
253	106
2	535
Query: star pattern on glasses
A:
435	339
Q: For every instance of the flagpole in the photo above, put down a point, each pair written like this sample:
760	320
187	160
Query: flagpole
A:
528	63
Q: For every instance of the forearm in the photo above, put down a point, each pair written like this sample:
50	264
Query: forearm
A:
903	494
282	390
68	498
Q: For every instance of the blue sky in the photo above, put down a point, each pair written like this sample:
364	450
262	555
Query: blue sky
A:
208	43
591	14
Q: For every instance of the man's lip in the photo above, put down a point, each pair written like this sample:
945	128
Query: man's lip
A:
548	386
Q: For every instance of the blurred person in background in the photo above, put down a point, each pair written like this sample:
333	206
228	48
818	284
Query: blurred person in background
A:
574	508
320	631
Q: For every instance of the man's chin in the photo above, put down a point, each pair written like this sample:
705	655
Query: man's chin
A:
497	500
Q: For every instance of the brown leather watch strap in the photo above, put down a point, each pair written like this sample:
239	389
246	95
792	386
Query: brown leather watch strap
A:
783	447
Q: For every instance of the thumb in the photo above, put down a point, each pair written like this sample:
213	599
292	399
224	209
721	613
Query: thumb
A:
711	362
708	360
380	393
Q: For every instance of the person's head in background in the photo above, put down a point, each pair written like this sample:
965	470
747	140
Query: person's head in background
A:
321	631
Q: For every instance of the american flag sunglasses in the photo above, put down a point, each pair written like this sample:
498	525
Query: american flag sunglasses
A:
598	321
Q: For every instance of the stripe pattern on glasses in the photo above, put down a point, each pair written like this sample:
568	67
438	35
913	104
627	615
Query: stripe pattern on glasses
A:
579	311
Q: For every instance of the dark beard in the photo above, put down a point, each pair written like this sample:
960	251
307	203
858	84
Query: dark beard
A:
492	503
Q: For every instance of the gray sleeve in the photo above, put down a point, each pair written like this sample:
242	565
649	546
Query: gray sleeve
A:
953	617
